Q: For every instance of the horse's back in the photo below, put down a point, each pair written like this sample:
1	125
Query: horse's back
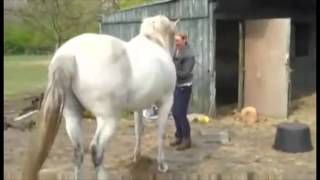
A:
95	52
91	43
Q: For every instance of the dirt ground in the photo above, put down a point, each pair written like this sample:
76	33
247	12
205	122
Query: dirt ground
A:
250	153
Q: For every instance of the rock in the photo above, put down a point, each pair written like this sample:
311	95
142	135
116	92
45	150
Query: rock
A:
224	137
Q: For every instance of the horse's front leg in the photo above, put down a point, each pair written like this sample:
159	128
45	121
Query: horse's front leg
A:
164	109
138	128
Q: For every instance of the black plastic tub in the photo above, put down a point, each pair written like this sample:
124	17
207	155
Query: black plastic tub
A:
293	138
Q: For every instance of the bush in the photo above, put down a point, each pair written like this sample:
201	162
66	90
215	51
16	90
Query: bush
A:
124	4
20	39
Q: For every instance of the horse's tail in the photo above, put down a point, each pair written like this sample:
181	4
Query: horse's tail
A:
60	77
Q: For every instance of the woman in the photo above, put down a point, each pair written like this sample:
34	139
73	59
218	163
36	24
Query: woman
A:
184	61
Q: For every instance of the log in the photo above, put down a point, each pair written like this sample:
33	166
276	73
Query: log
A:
22	122
23	125
23	116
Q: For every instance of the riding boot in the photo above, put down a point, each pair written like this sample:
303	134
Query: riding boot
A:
185	144
175	142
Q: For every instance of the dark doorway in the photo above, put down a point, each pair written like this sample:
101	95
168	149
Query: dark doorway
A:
303	60
227	60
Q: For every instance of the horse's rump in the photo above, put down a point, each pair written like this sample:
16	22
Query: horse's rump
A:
103	70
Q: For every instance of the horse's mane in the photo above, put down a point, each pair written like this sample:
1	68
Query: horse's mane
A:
158	29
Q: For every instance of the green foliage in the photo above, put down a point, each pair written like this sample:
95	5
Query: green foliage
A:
131	3
45	24
22	38
19	38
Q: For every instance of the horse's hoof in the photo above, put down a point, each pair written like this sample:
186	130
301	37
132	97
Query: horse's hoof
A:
135	158
163	168
101	174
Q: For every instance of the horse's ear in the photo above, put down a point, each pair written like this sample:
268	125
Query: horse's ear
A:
176	22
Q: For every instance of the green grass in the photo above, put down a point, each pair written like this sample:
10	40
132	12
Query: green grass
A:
24	74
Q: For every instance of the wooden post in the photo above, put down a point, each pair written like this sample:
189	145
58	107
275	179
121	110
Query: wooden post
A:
212	111
241	65
288	67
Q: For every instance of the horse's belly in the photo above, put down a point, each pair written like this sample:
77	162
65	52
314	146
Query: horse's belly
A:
140	103
147	91
151	83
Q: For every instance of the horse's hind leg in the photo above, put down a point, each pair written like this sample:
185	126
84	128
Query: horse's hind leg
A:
164	109
139	127
105	128
73	115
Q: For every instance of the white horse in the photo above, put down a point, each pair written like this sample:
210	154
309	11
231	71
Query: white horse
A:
106	76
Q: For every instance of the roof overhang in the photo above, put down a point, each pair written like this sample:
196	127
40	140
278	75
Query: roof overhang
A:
251	9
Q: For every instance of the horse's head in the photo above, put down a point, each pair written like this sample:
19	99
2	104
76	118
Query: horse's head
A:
160	29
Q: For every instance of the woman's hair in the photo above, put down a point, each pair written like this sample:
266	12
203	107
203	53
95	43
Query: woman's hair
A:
183	36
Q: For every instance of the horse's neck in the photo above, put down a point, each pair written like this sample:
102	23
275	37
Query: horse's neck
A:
156	40
144	54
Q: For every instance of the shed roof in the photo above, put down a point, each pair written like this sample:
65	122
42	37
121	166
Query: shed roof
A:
242	9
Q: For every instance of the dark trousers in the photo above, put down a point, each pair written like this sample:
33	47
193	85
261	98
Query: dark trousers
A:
180	110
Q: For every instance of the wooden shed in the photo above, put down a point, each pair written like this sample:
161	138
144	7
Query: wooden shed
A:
245	49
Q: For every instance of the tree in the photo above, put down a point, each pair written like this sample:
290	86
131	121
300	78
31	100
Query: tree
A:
59	20
123	4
